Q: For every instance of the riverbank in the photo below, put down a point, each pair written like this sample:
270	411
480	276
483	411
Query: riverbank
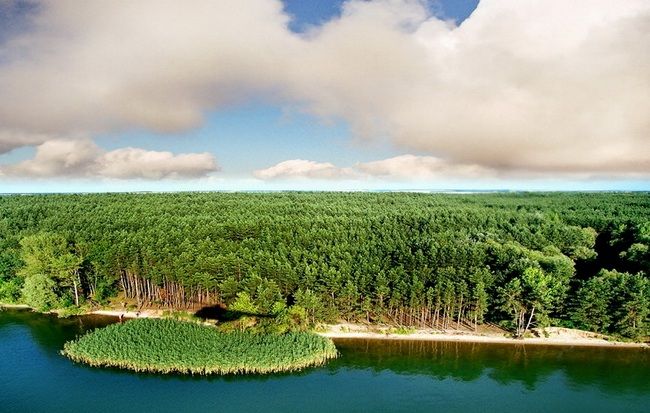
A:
145	313
24	306
555	336
130	314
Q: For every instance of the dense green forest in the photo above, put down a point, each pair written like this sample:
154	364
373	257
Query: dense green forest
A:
442	261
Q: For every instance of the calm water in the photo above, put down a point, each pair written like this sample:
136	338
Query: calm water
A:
370	376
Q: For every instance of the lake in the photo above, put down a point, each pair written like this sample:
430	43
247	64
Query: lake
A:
369	376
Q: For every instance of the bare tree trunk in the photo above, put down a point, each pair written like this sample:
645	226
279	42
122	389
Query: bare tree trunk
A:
76	293
520	323
532	312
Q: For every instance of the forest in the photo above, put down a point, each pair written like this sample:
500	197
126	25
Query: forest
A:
444	261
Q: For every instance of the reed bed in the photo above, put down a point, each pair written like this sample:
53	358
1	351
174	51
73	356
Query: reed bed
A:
172	346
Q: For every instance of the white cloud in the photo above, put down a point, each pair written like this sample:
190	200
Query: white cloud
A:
404	167
412	167
102	65
549	86
546	86
134	162
12	139
57	158
83	158
299	168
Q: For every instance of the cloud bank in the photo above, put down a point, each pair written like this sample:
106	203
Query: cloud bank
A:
300	168
549	87
399	168
82	158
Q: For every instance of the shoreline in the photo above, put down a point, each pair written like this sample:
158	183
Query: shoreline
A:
24	306
128	314
554	336
558	336
474	338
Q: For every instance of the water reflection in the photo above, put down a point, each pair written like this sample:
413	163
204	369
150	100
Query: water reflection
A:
49	331
610	369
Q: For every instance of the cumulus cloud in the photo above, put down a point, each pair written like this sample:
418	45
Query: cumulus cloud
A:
412	167
550	86
134	162
12	139
83	158
404	167
300	168
547	86
103	65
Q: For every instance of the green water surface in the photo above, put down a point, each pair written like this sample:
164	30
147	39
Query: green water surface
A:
370	376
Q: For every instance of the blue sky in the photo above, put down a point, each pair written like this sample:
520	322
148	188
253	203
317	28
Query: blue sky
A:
299	137
251	136
308	13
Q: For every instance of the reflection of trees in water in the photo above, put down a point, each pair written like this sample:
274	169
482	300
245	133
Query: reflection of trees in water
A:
49	331
617	370
613	370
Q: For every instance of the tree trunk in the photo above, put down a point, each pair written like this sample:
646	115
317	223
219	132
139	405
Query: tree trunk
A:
76	293
532	312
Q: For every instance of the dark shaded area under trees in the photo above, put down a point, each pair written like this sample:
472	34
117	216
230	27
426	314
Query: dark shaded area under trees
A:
426	260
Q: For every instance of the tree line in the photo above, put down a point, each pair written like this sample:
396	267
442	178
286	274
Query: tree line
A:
427	260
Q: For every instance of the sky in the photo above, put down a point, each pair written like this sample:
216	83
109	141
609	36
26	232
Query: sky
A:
160	95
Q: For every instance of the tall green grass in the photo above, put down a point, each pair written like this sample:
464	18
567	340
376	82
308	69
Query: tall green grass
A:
172	346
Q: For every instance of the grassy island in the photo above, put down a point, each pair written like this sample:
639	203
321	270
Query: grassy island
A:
171	346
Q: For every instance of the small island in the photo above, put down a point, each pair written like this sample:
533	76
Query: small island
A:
172	346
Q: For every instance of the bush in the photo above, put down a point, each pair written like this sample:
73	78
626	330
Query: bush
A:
10	290
38	292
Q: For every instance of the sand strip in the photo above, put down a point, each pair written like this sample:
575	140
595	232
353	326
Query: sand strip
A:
130	314
474	338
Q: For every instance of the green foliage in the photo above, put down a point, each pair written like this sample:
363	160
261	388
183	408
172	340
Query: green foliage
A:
10	284
311	303
41	252
180	315
401	330
38	292
244	304
166	346
614	302
71	311
267	295
480	297
48	267
593	301
532	294
286	319
10	290
429	260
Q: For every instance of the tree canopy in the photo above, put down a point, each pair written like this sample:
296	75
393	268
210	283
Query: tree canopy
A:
439	260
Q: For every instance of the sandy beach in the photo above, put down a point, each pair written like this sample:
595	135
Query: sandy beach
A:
130	314
14	305
555	336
